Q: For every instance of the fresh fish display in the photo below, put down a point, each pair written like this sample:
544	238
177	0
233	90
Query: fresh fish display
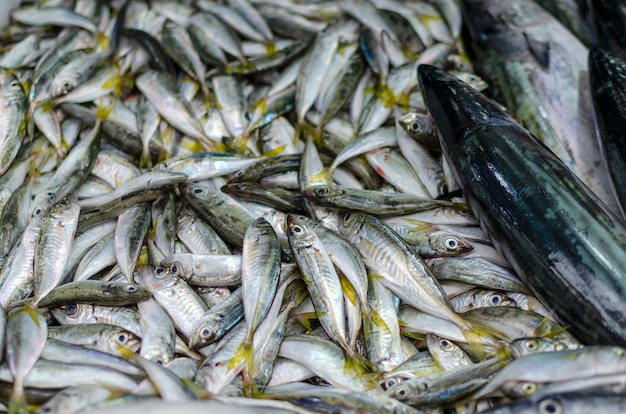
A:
253	206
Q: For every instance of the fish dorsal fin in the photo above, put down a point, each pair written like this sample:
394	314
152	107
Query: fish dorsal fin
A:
539	48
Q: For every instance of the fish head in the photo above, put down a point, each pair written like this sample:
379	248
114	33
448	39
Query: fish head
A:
417	124
447	244
206	332
120	338
73	313
299	233
154	278
350	224
11	90
322	192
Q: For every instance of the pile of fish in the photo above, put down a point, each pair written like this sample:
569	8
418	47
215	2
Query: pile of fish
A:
244	207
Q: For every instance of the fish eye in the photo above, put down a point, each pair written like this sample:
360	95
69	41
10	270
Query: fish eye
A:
197	190
297	229
529	388
495	299
415	126
63	204
321	191
390	382
46	410
159	271
70	310
131	288
451	243
531	345
445	344
205	333
159	361
13	84
175	269
347	217
37	212
122	338
550	406
401	393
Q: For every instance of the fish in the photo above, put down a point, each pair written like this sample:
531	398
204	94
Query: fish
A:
531	58
539	188
182	273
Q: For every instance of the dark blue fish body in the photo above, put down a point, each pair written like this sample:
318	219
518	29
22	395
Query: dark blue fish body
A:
565	244
607	76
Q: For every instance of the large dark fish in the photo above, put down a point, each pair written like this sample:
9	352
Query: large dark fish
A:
539	69
607	76
566	245
610	22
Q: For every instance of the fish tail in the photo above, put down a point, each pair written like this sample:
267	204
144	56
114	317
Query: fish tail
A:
324	176
318	135
103	111
270	48
479	337
17	402
145	160
104	41
238	357
248	384
274	152
305	319
248	354
357	363
240	144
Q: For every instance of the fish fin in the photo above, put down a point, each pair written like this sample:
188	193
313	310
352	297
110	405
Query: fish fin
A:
303	130
103	111
248	383
261	105
357	363
144	257
104	41
377	320
240	143
209	98
542	331
126	352
462	208
323	177
418	225
476	337
248	353
18	403
539	48
238	357
305	319
348	290
318	136
375	276
145	160
32	312
504	355
274	152
270	48
385	94
112	82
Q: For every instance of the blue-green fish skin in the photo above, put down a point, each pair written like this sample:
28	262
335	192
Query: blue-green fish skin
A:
564	243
